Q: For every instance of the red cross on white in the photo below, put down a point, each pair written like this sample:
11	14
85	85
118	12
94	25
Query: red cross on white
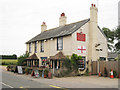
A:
81	49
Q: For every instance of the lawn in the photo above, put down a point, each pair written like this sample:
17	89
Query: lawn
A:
8	61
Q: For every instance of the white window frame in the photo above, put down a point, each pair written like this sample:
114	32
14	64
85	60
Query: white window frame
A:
60	43
42	46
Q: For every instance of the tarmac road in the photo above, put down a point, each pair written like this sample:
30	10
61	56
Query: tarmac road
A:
26	82
11	80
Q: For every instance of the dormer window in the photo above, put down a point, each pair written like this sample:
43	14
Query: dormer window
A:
60	43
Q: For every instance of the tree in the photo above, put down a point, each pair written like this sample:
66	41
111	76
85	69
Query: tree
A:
110	37
14	56
117	37
22	59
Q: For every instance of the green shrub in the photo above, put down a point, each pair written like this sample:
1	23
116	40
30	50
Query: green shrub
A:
115	74
46	72
87	72
22	59
105	72
26	70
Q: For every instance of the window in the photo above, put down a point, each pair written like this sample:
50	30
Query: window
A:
36	47
44	59
42	46
102	59
60	43
30	47
81	64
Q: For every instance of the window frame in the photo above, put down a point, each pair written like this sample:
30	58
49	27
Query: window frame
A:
42	46
35	49
58	46
30	47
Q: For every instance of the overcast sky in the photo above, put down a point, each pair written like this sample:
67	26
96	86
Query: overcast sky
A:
20	20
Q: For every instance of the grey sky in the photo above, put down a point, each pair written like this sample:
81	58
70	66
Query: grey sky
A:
20	20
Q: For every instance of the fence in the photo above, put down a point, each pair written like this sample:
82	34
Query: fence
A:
98	66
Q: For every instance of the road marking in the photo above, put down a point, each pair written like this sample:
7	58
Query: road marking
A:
58	87
54	86
20	87
6	85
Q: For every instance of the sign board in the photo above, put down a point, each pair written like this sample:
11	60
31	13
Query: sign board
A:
37	73
81	49
81	37
19	68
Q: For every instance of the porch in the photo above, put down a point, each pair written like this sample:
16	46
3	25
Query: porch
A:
56	61
32	61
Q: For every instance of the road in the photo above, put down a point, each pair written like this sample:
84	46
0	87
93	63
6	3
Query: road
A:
12	80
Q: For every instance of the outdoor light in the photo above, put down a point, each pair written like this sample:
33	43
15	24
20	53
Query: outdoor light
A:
51	39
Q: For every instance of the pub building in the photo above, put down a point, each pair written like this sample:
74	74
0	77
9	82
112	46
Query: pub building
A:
84	38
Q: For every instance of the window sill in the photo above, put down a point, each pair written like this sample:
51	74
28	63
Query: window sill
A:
42	52
60	50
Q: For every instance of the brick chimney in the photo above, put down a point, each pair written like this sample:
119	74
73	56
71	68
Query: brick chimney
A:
43	27
62	19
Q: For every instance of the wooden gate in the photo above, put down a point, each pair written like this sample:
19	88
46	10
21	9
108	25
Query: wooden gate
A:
94	68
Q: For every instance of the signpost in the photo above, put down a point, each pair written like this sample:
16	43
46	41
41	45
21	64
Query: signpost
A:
19	68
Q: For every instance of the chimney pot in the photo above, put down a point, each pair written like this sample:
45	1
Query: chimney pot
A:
62	19
43	23
63	14
43	27
94	5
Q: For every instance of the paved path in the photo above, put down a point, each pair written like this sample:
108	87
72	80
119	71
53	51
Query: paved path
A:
27	81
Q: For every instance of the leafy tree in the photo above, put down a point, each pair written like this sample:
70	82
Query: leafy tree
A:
110	37
21	59
14	56
117	37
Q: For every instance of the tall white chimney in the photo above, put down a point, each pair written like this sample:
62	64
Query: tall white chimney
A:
43	27
93	13
62	19
93	35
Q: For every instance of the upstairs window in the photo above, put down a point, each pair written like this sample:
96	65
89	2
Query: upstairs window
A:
36	47
60	43
30	47
42	46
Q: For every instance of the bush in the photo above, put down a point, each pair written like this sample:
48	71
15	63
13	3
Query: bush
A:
26	70
115	74
87	72
46	72
105	72
21	59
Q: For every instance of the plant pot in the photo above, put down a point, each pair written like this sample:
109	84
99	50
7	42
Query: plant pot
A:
45	76
7	69
26	73
89	73
100	74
